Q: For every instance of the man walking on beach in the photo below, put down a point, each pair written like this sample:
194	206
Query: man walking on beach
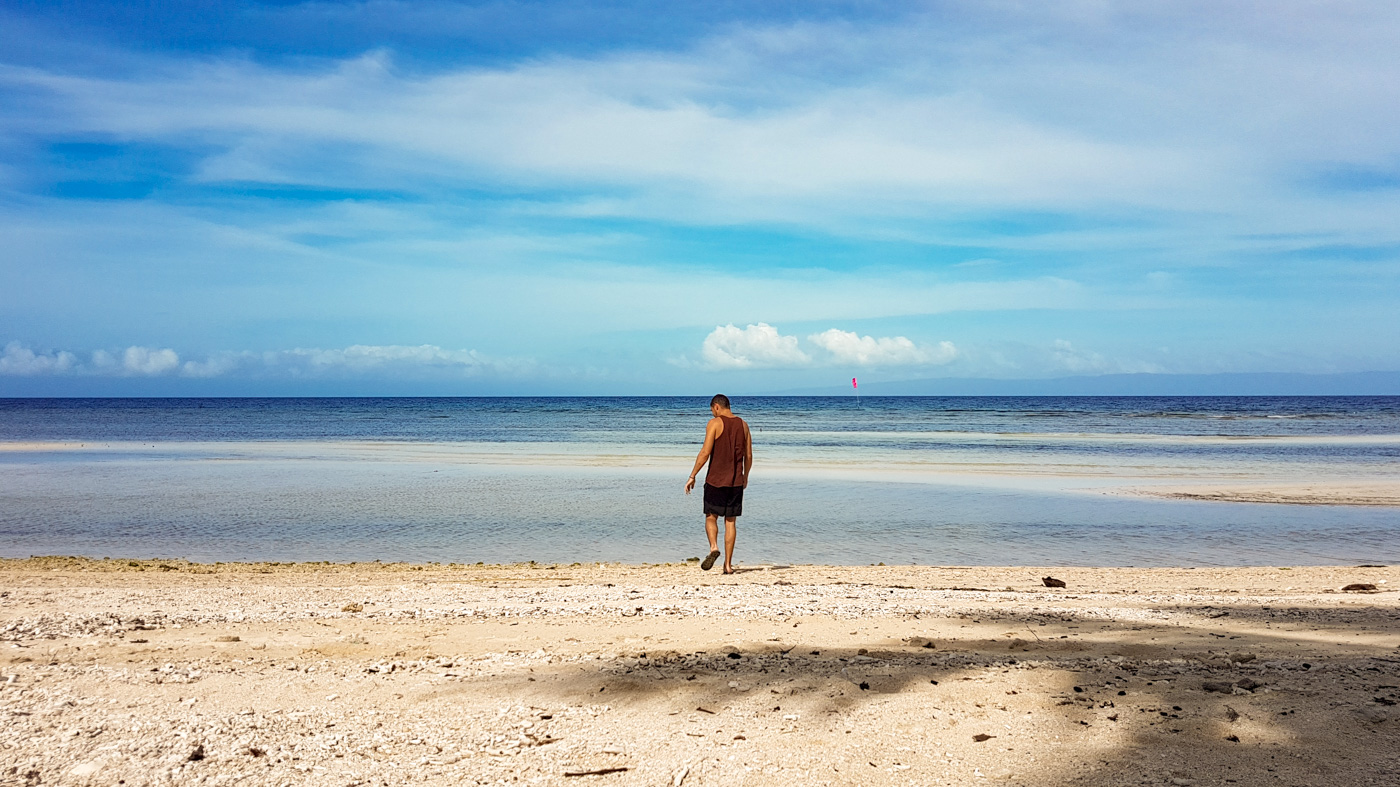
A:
729	451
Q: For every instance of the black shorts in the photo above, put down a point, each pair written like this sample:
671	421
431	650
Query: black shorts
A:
725	501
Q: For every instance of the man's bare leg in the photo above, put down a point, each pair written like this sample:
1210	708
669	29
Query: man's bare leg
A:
730	531
712	531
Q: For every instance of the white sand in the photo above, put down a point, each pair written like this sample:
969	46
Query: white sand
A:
117	673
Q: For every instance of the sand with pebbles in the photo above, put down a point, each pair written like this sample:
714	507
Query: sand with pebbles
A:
140	672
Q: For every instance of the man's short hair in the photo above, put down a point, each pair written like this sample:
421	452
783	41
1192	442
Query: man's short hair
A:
721	400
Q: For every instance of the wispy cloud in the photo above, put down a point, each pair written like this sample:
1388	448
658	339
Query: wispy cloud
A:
356	360
362	359
1065	357
945	113
681	135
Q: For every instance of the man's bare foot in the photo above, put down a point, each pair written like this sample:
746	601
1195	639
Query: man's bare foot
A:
729	569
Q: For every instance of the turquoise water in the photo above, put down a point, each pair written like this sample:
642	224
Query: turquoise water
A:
966	481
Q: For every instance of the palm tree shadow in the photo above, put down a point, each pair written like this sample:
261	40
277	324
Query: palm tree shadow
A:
1145	703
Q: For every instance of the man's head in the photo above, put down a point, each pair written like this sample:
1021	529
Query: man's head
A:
719	402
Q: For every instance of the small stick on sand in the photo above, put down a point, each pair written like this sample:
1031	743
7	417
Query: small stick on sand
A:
597	772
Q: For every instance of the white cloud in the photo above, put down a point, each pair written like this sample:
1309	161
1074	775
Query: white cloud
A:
758	346
214	366
134	361
362	360
986	106
847	347
675	126
23	362
761	346
356	360
148	361
364	357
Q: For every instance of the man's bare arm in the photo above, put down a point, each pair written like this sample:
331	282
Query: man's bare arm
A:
748	453
712	431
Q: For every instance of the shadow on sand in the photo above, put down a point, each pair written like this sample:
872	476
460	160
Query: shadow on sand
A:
1128	703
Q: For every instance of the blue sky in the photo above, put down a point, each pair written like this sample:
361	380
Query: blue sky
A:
531	197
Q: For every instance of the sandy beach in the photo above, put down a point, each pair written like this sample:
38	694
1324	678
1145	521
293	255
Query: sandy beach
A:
145	672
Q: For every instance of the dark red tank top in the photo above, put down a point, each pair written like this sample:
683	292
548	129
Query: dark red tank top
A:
727	459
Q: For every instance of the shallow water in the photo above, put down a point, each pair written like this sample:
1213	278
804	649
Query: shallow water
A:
588	479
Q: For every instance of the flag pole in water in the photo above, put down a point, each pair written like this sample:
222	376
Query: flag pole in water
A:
856	388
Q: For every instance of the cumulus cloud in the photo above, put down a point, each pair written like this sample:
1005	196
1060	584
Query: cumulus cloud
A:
757	346
848	347
134	361
761	346
215	365
149	361
21	361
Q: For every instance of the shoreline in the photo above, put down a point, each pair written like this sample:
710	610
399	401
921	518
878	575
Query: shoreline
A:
88	565
337	674
83	564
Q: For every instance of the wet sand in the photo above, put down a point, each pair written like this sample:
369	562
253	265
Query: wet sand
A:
148	672
1308	493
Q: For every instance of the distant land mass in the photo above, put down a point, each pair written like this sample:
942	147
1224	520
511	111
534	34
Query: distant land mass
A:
1228	384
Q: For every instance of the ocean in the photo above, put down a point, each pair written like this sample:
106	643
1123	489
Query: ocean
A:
899	480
